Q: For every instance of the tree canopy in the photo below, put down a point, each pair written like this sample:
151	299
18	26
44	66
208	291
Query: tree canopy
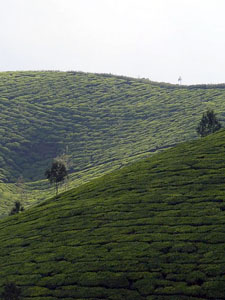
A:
208	124
56	174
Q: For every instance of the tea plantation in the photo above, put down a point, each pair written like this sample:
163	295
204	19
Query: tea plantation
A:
151	230
101	121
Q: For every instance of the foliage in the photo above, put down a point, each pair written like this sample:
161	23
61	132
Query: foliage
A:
17	208
56	174
11	292
151	230
104	121
208	124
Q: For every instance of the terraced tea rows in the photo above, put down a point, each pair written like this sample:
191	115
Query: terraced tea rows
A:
102	121
153	230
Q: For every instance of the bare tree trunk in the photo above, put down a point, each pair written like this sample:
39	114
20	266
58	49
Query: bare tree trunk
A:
56	188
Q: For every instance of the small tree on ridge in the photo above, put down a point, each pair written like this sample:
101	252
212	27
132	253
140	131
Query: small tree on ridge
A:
208	123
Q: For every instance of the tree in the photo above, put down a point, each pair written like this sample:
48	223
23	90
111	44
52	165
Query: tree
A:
11	292
208	123
21	188
17	208
66	159
56	174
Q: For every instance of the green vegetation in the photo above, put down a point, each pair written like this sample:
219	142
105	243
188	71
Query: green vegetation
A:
100	122
17	208
11	292
56	174
152	230
208	124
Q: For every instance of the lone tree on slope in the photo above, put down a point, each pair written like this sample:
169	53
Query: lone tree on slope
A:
208	123
16	209
56	174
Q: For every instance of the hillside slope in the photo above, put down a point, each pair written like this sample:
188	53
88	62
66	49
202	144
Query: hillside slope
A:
152	230
96	118
102	122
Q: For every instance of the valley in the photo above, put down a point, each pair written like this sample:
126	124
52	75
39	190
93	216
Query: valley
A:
100	122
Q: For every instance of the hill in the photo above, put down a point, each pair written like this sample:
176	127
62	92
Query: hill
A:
152	230
101	122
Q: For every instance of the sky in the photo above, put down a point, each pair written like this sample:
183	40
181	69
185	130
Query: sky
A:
156	39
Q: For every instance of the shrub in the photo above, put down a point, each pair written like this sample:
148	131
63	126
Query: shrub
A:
11	292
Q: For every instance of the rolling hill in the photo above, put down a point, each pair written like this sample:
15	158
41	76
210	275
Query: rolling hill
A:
152	230
101	122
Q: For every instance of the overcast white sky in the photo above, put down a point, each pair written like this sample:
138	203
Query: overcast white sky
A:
156	39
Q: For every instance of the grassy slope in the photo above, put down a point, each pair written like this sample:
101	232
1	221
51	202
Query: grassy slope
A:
152	230
103	121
